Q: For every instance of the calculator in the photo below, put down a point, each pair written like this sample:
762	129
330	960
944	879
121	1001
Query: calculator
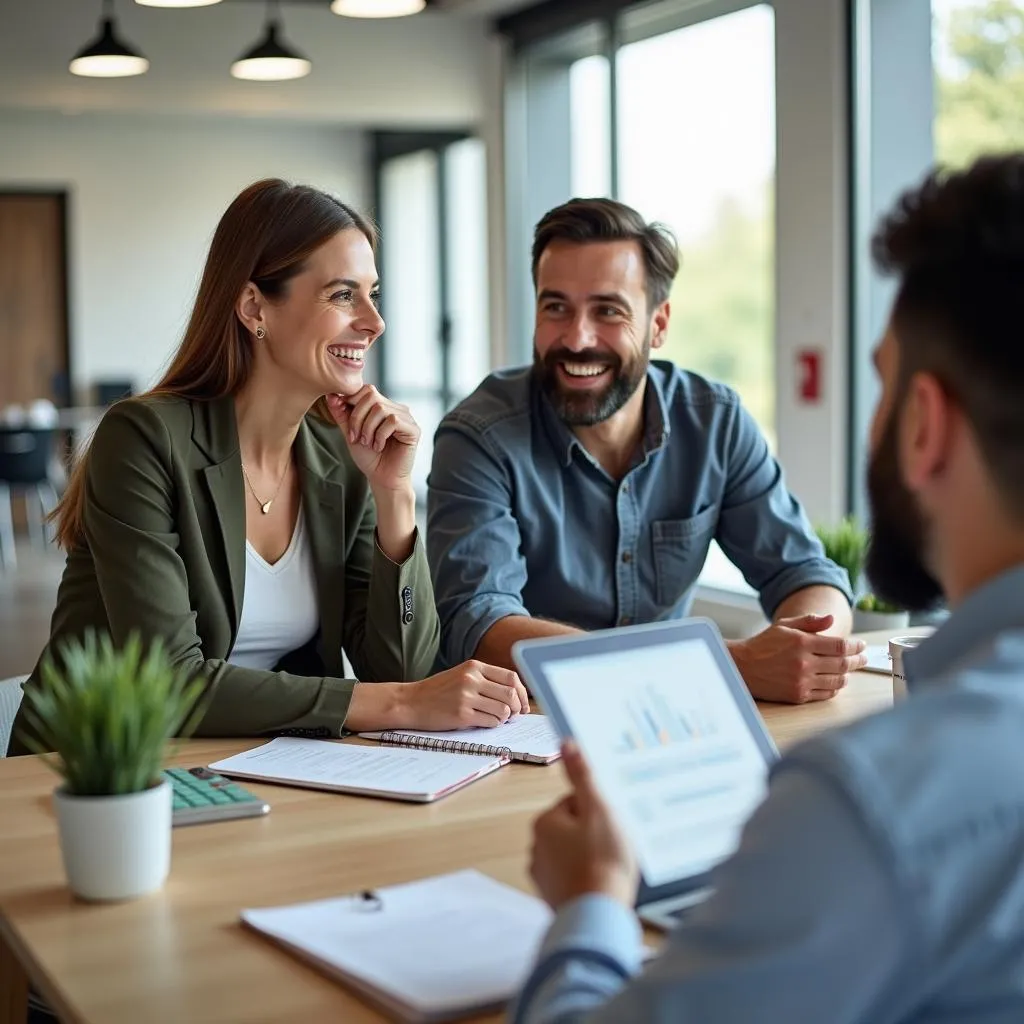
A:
201	795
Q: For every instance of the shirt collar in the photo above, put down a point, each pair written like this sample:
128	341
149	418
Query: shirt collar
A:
993	608
656	420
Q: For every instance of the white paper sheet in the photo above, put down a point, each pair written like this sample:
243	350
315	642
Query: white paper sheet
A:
435	948
878	659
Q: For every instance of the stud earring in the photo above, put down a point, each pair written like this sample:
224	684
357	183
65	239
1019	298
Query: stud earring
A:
261	332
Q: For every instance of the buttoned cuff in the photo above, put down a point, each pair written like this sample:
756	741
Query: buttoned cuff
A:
329	712
402	578
597	924
398	565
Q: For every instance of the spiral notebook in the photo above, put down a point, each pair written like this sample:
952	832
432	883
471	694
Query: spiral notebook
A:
523	738
420	776
432	950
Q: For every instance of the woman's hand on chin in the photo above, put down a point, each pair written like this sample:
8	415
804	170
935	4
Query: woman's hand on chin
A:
382	437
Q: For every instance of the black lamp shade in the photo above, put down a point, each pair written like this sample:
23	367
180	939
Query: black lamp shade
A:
270	59
107	56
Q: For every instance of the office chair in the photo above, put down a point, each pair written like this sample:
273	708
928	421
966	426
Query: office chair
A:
25	469
109	391
10	700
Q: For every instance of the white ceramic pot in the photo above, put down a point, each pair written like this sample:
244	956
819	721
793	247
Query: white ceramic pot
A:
868	622
115	847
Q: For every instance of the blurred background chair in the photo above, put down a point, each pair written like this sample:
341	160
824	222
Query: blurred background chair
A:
106	392
10	700
25	454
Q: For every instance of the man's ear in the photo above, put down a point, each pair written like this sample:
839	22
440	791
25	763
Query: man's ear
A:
926	430
249	307
659	333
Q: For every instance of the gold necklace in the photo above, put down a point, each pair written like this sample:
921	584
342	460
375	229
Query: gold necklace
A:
265	505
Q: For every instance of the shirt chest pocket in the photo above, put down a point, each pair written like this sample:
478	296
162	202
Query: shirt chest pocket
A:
680	548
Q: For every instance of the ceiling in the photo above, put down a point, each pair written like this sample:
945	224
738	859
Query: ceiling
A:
488	8
428	68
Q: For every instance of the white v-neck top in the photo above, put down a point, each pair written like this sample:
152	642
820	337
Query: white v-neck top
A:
279	606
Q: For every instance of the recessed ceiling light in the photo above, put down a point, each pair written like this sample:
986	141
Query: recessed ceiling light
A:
177	3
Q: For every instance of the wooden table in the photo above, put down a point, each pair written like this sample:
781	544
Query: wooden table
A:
181	956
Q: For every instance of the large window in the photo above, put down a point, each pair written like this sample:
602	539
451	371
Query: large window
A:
696	150
978	54
432	209
669	107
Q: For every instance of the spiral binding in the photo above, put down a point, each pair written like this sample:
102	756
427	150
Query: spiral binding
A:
403	739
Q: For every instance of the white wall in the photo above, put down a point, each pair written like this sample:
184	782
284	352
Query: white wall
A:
812	239
144	198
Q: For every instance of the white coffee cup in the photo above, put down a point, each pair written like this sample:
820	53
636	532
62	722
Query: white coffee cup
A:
897	645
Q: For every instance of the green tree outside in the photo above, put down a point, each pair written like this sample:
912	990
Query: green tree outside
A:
979	102
722	323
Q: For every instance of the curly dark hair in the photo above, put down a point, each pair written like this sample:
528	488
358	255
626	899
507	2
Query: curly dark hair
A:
605	220
957	246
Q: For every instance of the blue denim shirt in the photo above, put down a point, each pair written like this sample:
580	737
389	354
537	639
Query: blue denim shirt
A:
881	881
522	520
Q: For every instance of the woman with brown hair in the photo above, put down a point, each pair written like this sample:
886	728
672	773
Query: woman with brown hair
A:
255	509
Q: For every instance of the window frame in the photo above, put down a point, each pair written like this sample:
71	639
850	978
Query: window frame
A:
385	146
891	148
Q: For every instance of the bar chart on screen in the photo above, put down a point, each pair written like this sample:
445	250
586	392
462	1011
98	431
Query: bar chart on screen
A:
669	748
652	721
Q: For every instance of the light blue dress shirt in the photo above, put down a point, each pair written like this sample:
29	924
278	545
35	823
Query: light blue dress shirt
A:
881	881
522	520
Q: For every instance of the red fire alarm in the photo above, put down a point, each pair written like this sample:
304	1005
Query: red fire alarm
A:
808	362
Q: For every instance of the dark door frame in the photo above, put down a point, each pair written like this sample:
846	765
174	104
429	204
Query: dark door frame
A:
61	195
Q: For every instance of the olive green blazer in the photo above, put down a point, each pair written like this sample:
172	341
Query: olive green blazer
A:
164	522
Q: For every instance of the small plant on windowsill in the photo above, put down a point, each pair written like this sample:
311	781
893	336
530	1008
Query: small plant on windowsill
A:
846	544
871	603
102	718
871	612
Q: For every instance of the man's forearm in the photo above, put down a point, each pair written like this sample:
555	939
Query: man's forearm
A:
495	647
819	600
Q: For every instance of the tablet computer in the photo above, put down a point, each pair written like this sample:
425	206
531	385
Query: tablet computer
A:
672	736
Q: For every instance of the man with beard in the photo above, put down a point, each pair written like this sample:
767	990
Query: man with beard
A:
583	492
882	880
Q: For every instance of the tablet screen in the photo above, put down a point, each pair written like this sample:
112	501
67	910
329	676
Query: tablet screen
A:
669	748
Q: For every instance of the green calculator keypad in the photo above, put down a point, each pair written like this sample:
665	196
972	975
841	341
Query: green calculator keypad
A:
199	787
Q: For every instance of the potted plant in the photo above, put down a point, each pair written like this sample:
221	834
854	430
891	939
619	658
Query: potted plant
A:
872	613
846	544
106	715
